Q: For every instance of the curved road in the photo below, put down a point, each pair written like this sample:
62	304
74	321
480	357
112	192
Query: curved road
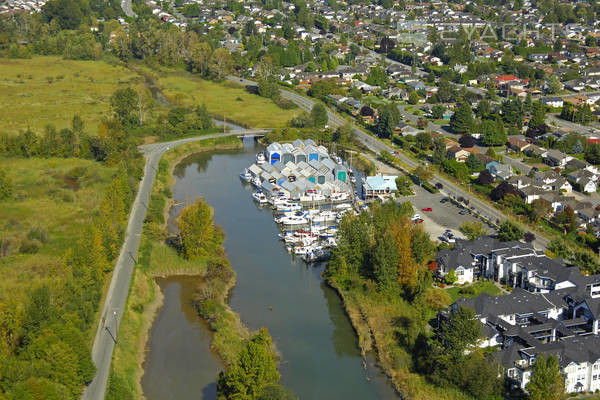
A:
116	297
450	188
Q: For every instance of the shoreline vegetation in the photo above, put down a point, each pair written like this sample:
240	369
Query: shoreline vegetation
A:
158	259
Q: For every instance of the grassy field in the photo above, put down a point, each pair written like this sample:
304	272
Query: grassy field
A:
477	288
58	196
49	90
224	99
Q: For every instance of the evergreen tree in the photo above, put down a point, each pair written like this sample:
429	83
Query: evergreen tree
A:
319	115
538	117
462	120
439	150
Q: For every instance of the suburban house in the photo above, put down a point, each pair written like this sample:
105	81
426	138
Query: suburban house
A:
556	158
517	144
554	102
500	171
458	153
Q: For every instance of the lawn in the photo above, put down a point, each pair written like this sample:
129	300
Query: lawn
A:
226	99
49	90
478	288
58	196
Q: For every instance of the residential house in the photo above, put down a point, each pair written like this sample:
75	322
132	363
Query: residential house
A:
517	144
379	186
458	153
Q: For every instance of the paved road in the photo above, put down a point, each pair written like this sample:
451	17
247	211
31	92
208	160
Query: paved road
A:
450	189
126	6
116	297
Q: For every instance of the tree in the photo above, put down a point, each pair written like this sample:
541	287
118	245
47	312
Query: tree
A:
493	132
554	85
592	153
318	115
567	219
7	186
529	237
196	229
462	120
560	248
538	117
68	13
389	117
413	97
268	88
546	381
513	112
252	371
123	103
439	151
461	331
423	174
483	108
485	178
343	134
466	141
539	209
473	230
424	140
437	111
509	231
451	277
456	169
474	163
220	63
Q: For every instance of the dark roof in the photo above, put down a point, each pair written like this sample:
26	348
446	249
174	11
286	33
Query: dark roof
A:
519	301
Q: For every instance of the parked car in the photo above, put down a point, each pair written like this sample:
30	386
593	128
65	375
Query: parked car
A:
418	221
427	209
439	186
416	217
444	200
463	211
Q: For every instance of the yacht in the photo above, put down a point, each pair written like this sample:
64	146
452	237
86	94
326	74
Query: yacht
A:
260	158
339	196
288	206
256	182
311	196
259	197
292	220
323	216
245	175
343	206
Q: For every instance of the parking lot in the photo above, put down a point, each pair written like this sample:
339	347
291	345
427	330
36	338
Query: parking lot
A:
443	215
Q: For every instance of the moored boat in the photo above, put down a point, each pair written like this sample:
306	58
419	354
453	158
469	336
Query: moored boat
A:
245	175
260	158
259	197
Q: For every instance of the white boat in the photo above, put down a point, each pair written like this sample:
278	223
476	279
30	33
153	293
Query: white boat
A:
343	206
259	197
353	179
260	158
288	206
339	196
323	216
256	182
292	220
310	197
245	175
278	199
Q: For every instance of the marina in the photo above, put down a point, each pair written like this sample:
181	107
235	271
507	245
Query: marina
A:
309	191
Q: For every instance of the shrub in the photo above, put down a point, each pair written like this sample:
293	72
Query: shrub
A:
29	246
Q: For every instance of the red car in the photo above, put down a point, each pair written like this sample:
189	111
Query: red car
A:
418	221
427	209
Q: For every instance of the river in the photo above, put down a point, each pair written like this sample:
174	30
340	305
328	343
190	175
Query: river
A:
320	358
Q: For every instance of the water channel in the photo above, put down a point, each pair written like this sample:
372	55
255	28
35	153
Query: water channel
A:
320	358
